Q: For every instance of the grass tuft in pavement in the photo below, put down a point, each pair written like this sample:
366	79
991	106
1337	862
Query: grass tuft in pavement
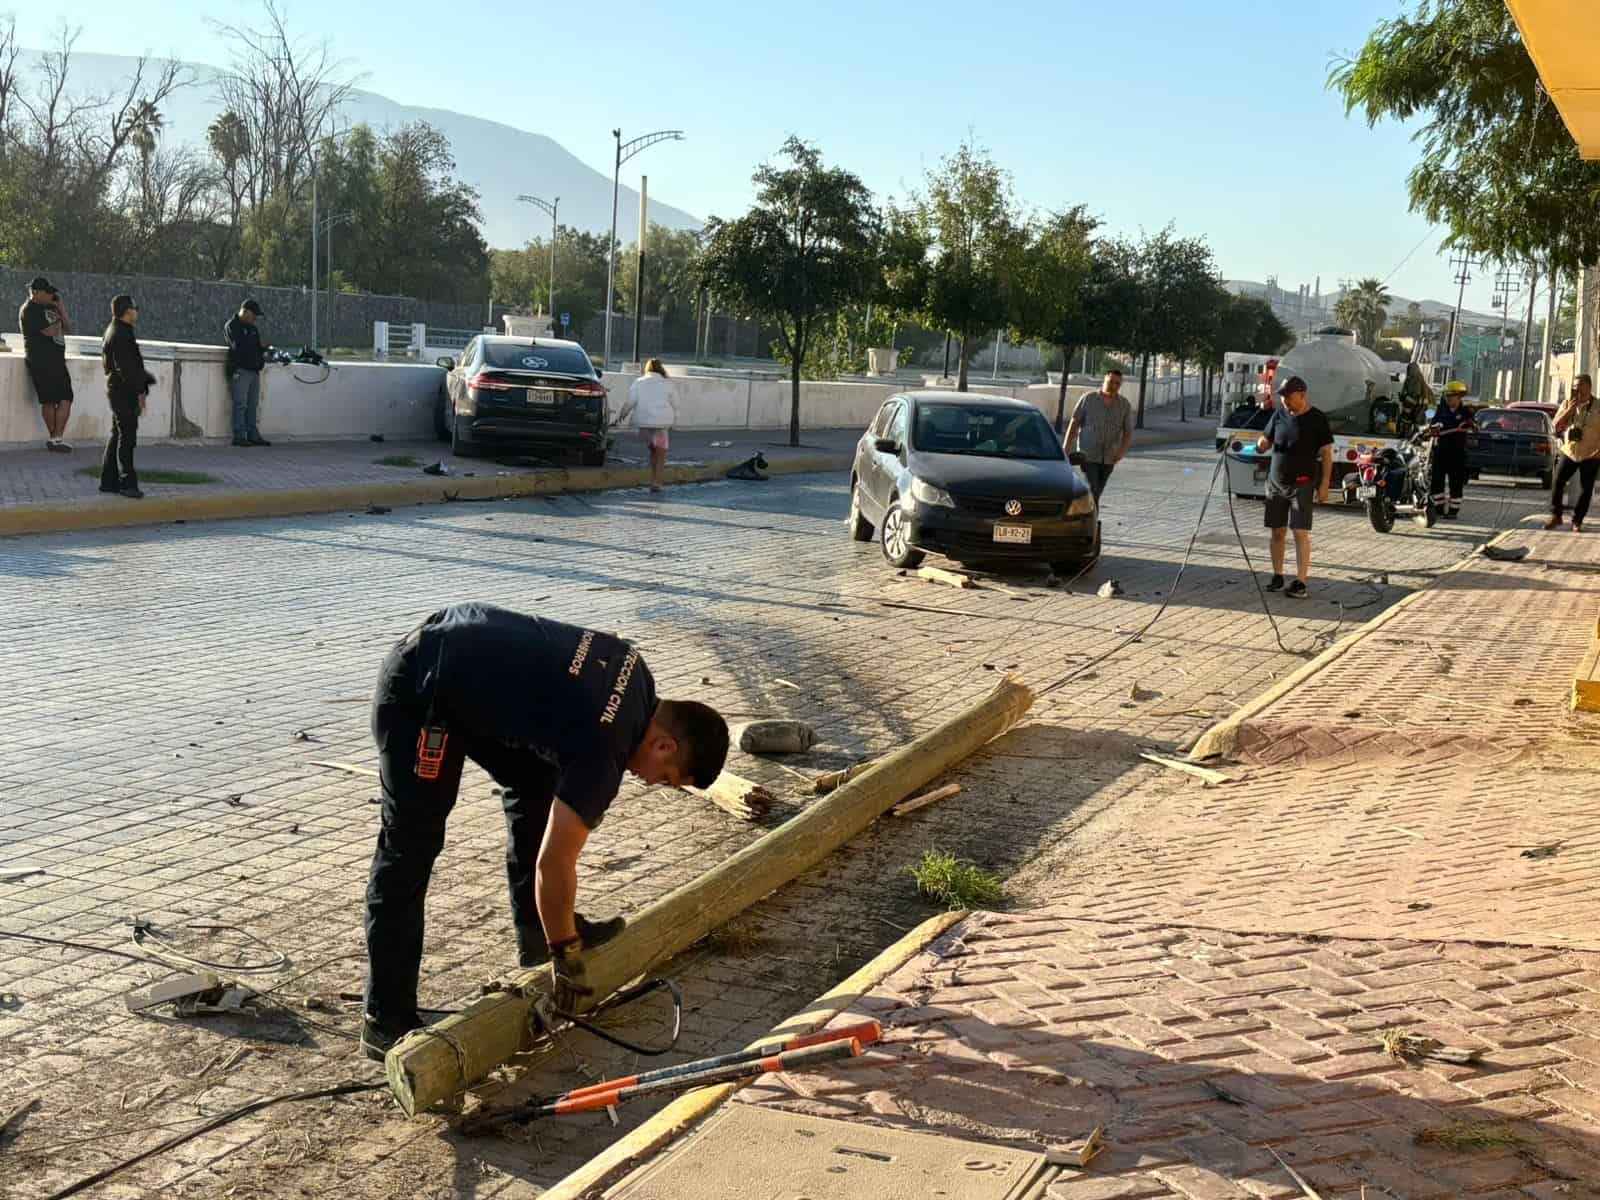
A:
948	881
739	938
159	476
398	460
1470	1135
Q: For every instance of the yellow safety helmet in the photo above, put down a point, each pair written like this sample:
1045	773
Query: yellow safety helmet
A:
1455	388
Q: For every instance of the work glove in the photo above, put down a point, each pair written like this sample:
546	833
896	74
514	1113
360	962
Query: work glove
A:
571	977
534	951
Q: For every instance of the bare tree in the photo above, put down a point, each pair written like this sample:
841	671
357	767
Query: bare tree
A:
286	92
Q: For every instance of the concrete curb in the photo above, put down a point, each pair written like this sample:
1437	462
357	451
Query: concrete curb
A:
109	513
1222	739
688	1110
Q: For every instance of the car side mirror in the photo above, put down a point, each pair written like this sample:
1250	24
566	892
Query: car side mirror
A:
1077	458
886	445
448	363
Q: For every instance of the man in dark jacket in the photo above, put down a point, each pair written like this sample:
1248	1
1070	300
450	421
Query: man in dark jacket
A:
246	357
556	714
42	321
127	386
1452	422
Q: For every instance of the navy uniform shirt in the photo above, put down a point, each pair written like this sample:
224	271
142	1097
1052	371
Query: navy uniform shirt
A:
542	704
1450	420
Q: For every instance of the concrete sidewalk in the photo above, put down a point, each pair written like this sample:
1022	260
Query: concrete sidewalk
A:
41	492
1410	843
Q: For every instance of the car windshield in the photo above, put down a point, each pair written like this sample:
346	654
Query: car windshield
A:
985	430
512	356
1505	420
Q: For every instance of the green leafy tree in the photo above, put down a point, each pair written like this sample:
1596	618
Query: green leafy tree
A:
1178	277
973	230
671	279
807	248
1051	288
1497	166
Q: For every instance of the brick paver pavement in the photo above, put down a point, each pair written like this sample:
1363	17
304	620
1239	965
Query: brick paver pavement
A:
1201	1053
154	686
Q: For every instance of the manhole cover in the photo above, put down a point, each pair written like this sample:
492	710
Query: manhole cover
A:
766	1154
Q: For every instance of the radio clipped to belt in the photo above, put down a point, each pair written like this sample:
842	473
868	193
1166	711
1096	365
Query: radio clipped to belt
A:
431	742
433	738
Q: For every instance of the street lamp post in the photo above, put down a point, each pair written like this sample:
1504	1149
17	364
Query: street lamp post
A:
625	151
328	223
550	207
315	171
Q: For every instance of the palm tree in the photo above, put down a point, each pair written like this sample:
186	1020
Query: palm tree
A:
1365	308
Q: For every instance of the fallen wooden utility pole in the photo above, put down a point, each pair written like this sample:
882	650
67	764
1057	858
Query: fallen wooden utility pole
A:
433	1065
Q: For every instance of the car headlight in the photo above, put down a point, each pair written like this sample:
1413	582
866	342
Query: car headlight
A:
1082	506
925	493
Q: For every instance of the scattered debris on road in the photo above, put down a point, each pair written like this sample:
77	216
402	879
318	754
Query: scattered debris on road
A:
1306	1190
828	780
1206	774
734	794
754	468
776	737
1076	1154
1549	851
350	768
12	874
927	798
1109	590
953	579
1402	1045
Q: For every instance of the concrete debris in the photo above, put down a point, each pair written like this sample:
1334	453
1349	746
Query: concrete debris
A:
436	468
776	737
1109	590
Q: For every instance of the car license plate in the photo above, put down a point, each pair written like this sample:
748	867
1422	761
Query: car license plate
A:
1014	535
543	397
1366	493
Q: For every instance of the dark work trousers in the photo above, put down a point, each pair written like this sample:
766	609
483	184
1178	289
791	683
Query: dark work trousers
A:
1449	465
116	470
1585	471
1098	474
412	835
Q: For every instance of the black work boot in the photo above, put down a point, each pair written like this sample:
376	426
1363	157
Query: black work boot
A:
379	1034
534	951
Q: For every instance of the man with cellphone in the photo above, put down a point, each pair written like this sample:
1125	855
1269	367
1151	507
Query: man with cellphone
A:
42	321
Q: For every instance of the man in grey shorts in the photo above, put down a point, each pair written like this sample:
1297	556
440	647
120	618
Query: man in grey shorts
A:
1101	427
1302	470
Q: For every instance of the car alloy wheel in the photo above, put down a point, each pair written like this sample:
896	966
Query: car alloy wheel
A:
897	546
860	528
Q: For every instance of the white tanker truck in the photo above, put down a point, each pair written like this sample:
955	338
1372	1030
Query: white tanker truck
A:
1369	404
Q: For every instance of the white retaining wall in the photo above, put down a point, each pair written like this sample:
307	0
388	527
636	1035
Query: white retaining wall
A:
190	399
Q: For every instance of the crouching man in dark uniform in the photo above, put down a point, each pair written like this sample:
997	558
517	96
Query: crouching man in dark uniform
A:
555	714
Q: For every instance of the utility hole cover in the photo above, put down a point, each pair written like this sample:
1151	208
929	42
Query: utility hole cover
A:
757	1153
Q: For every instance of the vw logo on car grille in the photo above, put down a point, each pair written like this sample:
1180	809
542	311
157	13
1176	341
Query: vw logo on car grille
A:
1013	508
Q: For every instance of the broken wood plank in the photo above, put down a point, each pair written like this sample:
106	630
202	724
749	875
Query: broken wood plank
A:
953	579
1188	768
828	780
349	767
933	797
734	794
12	874
432	1065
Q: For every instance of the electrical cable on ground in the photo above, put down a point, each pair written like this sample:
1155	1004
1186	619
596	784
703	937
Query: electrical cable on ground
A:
217	1122
163	950
628	997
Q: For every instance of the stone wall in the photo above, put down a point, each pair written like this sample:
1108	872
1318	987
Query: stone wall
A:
194	310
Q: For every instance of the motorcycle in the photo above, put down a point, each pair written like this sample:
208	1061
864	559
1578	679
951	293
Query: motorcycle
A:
1395	481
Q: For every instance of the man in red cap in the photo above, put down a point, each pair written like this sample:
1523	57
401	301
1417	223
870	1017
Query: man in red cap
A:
1302	470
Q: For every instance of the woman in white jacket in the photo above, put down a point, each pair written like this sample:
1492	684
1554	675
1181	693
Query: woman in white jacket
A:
650	404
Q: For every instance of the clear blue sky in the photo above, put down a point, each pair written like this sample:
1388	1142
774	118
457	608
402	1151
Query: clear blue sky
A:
1211	114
